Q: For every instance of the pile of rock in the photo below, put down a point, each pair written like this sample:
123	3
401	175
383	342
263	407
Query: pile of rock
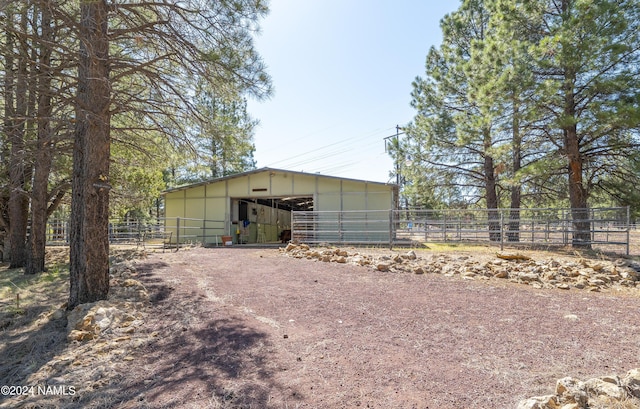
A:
550	272
603	392
121	314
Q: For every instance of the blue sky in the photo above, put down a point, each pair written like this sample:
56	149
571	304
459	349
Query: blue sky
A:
342	72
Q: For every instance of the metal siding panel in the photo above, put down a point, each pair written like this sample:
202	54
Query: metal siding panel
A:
237	187
174	207
304	185
354	201
328	185
259	181
194	208
198	191
328	201
380	200
215	208
281	184
353	186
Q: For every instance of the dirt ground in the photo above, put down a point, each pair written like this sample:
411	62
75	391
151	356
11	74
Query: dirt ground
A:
250	328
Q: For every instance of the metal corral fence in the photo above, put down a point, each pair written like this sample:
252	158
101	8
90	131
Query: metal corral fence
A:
604	228
161	232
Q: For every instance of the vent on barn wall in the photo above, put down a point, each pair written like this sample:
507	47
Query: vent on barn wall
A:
259	189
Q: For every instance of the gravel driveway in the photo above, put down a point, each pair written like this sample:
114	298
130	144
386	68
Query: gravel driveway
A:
251	328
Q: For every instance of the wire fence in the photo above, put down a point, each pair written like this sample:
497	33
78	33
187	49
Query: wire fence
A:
602	228
607	229
160	232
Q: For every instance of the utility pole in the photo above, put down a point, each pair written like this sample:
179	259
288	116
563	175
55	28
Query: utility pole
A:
397	153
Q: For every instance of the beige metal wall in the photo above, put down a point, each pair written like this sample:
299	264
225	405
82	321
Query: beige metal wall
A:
212	201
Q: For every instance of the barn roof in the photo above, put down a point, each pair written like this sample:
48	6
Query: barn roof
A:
266	169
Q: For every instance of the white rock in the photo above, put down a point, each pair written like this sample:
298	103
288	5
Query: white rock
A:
632	382
538	402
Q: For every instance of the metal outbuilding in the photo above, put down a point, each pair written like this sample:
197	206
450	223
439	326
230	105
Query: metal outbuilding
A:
256	206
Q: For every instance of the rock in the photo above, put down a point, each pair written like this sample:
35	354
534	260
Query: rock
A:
539	402
528	277
603	392
411	255
580	284
512	256
629	274
359	260
449	269
58	314
606	386
77	335
341	252
570	390
631	382
89	321
290	247
103	317
563	274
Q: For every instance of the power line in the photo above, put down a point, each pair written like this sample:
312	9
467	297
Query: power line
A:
340	147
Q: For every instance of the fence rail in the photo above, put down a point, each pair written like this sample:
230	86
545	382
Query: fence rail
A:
161	232
604	228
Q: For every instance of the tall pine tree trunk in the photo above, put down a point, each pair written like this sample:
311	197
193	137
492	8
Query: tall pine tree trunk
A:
15	123
516	196
89	268
577	191
491	192
569	127
43	154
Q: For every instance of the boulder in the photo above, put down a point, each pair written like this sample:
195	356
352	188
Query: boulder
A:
631	383
539	402
605	391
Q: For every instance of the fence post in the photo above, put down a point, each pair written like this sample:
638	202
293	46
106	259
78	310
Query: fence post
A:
565	228
533	230
501	231
177	233
426	230
444	227
391	232
628	228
